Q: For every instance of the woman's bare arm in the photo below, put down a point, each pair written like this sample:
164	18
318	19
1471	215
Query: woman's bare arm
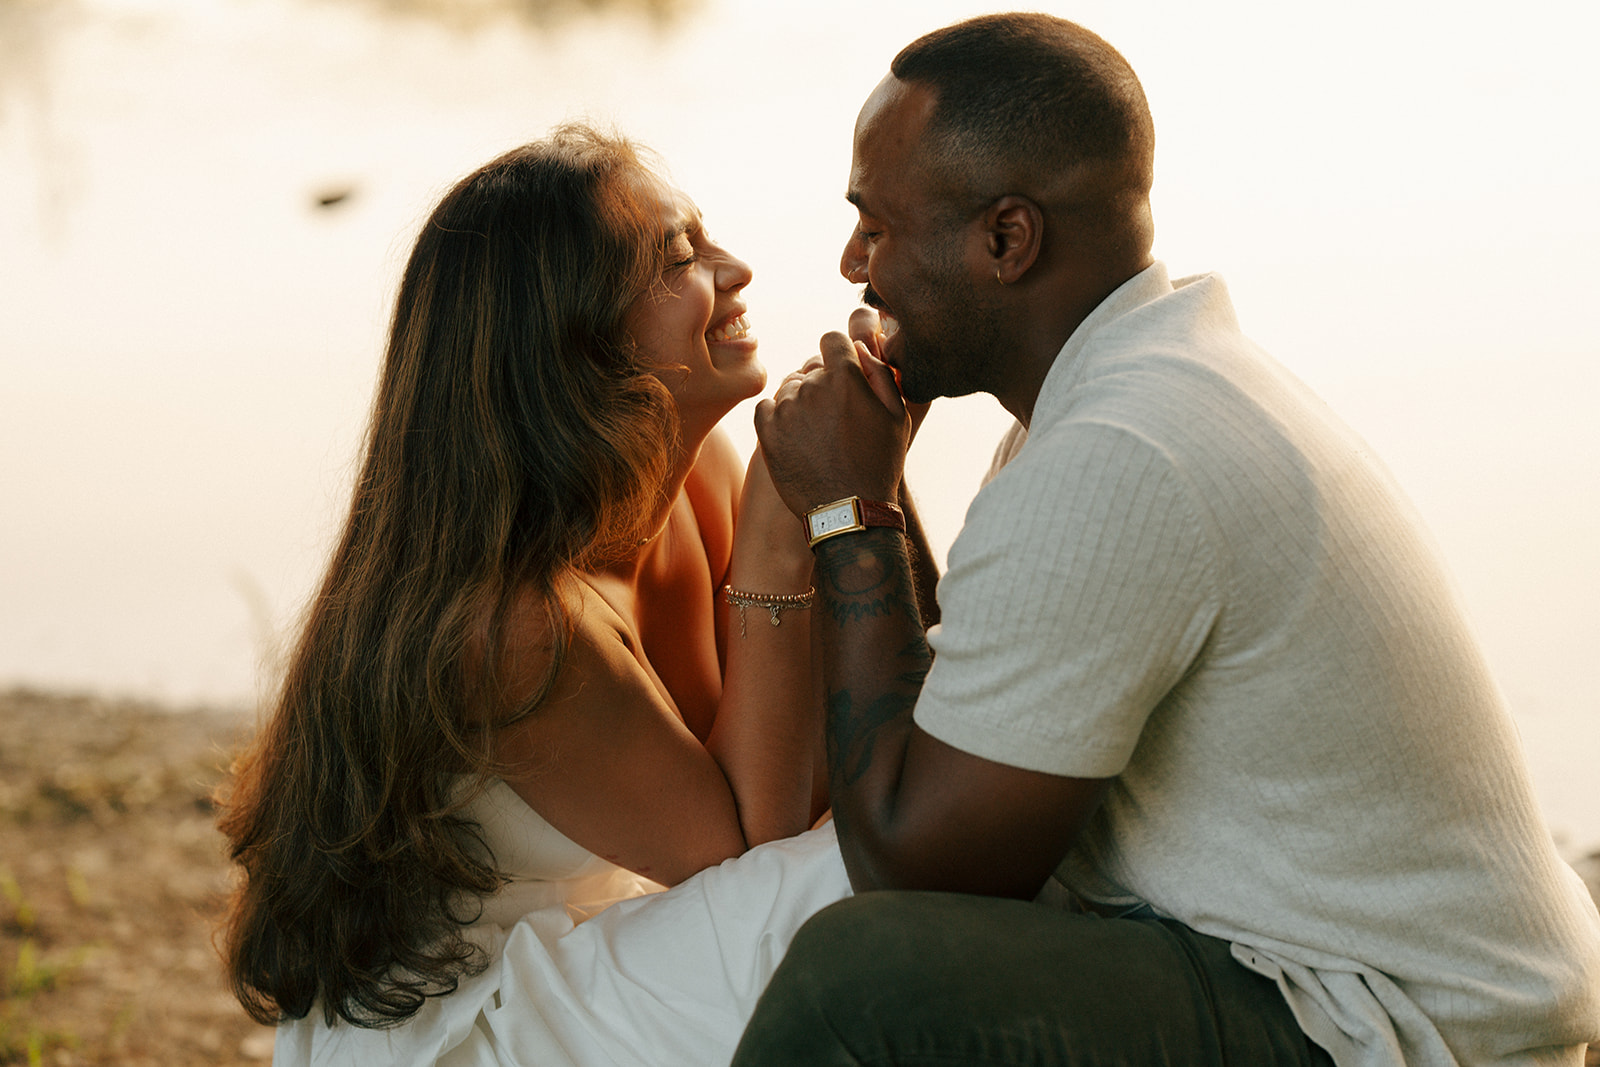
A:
612	758
609	762
769	722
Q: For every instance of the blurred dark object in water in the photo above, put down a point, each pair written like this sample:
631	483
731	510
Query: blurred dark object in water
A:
333	196
470	14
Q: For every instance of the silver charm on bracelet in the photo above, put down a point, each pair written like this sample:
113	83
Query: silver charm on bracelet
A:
775	603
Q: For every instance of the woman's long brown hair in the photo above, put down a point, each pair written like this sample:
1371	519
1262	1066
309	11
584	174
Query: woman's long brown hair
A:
514	437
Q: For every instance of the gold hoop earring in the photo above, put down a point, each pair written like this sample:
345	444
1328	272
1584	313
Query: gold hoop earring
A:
997	277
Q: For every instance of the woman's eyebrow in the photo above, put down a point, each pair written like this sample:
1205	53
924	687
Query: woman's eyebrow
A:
685	218
684	222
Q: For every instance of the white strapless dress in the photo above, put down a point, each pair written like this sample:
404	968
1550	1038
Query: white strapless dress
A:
593	966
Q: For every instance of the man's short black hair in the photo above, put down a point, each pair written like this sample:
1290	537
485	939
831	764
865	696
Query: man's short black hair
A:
1024	91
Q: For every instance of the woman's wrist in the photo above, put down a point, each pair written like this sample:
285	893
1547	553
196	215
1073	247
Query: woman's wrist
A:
775	604
777	572
771	535
771	553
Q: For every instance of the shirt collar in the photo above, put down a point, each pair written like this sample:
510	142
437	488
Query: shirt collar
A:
1148	285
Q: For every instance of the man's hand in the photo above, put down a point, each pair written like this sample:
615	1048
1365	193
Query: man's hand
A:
836	428
867	328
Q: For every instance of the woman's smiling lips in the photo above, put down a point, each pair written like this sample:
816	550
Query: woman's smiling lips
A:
734	328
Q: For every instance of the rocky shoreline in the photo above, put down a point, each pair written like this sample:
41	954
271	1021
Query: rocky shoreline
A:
112	876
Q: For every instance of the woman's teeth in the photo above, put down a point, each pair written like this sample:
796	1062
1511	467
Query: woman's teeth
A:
734	330
888	324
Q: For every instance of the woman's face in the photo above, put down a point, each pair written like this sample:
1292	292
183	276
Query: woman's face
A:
691	325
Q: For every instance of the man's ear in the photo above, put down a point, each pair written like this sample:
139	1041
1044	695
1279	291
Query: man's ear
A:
1014	230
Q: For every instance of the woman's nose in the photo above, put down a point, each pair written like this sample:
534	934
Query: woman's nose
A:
733	272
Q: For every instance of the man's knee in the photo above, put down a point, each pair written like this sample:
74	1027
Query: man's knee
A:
870	929
929	977
846	970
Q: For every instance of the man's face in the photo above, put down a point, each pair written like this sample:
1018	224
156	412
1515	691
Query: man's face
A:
912	257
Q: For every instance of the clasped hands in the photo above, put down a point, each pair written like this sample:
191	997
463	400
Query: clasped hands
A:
837	427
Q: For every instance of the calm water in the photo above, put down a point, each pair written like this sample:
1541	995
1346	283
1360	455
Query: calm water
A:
1402	203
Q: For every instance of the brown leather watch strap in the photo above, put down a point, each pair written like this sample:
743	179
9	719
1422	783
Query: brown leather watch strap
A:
880	513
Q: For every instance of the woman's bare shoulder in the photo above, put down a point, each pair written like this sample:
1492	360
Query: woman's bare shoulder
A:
574	620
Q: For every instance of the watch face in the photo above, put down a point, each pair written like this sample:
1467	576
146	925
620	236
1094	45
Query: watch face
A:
840	516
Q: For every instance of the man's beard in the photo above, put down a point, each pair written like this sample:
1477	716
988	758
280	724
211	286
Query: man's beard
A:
954	357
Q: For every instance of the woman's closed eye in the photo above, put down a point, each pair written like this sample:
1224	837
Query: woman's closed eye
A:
680	252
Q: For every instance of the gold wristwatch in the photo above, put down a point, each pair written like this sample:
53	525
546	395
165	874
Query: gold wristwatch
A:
851	515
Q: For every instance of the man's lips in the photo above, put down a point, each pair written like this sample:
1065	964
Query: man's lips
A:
886	320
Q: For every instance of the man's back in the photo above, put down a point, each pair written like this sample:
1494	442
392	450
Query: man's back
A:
1213	593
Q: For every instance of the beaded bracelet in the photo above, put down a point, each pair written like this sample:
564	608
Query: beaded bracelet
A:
775	603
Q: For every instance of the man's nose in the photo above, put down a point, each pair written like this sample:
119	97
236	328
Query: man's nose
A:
853	263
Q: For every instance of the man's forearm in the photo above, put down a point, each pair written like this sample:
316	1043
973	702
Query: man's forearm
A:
924	569
875	658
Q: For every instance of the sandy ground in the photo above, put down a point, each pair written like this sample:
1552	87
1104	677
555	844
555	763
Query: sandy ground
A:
111	877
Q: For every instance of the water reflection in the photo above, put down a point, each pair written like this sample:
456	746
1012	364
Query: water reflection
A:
31	35
29	32
35	33
471	14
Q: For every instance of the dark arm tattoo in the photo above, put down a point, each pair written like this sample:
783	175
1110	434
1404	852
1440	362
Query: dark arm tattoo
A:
867	590
866	577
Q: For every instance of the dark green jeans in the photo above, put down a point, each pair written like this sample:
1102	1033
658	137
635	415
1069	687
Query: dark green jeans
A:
945	979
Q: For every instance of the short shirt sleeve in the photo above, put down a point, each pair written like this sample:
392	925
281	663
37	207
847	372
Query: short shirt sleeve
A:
1078	593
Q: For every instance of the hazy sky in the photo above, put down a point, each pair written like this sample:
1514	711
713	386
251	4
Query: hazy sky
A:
1402	198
